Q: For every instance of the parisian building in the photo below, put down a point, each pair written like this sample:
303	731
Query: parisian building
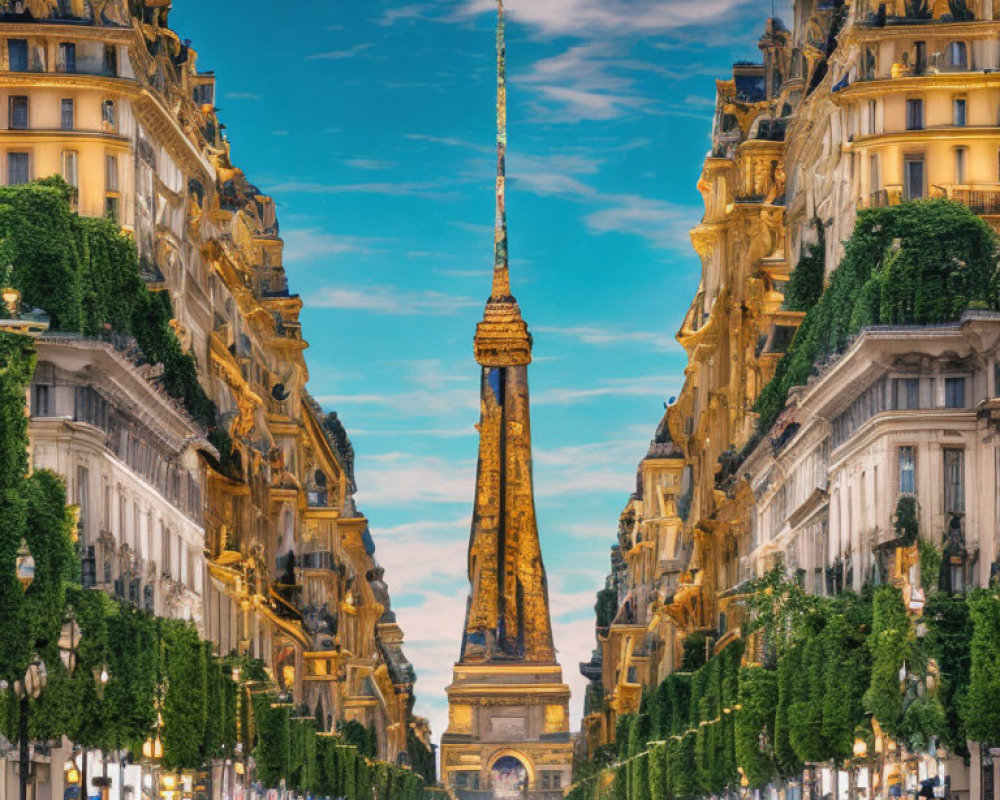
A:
262	548
852	105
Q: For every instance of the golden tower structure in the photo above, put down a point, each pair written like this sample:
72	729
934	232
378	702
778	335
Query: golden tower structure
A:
508	730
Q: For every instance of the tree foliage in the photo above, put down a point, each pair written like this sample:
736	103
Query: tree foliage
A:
912	264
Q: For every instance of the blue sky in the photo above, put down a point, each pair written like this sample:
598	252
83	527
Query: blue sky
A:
371	122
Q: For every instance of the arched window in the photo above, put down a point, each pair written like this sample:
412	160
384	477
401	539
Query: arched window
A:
109	116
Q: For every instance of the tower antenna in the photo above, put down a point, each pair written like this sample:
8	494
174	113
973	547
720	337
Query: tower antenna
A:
501	270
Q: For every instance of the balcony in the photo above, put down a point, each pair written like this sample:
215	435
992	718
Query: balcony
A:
982	201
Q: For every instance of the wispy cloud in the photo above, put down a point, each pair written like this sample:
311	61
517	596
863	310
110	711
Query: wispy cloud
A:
448	141
413	11
402	189
398	479
664	224
310	243
647	386
241	96
427	389
369	163
593	81
611	17
340	55
389	300
656	340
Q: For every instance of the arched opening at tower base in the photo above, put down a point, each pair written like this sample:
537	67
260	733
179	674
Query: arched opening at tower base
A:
508	779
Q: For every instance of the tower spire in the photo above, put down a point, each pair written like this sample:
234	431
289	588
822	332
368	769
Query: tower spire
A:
501	270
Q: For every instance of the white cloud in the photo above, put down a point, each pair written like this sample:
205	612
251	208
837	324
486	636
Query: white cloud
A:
607	467
390	300
664	224
309	243
400	479
428	389
369	164
593	335
339	55
610	17
414	11
593	81
402	189
648	386
449	141
242	96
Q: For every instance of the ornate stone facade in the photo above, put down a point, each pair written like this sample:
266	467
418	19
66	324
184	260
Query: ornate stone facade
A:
263	546
857	104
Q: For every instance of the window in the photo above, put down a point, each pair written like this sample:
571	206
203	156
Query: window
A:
871	116
920	58
869	64
67	114
204	94
18	168
110	60
42	401
954	392
958	112
109	117
111	208
17	55
70	168
954	481
18	119
913	178
905	393
67	57
111	173
958	55
961	159
907	470
873	174
551	781
465	780
914	114
83	500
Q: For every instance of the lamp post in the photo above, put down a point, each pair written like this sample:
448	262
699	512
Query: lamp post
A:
35	677
861	757
101	678
69	642
30	688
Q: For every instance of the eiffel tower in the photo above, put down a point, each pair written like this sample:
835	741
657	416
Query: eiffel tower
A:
508	734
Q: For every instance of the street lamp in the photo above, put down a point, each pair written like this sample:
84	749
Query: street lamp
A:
30	688
101	678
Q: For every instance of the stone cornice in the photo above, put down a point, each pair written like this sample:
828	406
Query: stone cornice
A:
130	391
915	84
